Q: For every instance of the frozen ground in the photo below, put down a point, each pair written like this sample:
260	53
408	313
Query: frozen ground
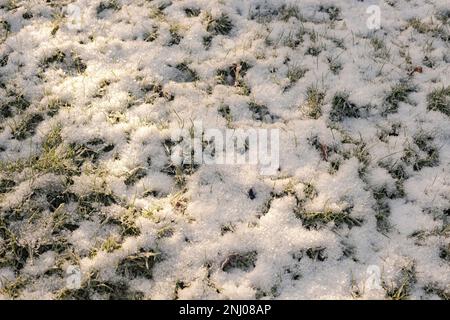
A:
88	101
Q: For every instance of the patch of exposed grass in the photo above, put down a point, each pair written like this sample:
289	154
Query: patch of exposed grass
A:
13	288
6	185
426	154
314	102
225	112
26	127
332	11
439	100
243	261
260	112
435	288
398	93
108	5
175	35
192	12
138	265
286	12
318	219
94	287
221	25
295	73
186	73
151	35
400	288
342	107
135	175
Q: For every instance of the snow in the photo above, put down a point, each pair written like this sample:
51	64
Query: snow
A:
123	105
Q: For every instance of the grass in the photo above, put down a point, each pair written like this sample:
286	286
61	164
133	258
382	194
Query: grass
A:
225	112
260	112
26	127
334	65
221	25
108	5
13	288
93	286
380	48
318	219
436	289
400	288
70	63
186	73
135	175
192	12
398	93
423	154
342	107
243	261
138	265
233	75
316	254
110	244
444	252
151	35
6	185
295	73
314	102
286	12
439	100
332	11
175	35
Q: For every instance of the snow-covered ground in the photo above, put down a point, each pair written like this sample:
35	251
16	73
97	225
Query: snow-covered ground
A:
91	91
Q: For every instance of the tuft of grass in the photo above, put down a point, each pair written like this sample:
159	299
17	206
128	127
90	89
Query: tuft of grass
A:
94	287
399	93
135	175
435	288
243	261
439	100
260	112
54	105
69	63
108	5
310	191
426	154
317	253
342	108
6	185
380	48
186	73
192	12
313	51
18	102
286	12
444	252
314	102
335	65
225	112
175	35
13	288
332	11
138	265
295	73
151	35
110	244
234	76
400	289
221	25
317	219
26	127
